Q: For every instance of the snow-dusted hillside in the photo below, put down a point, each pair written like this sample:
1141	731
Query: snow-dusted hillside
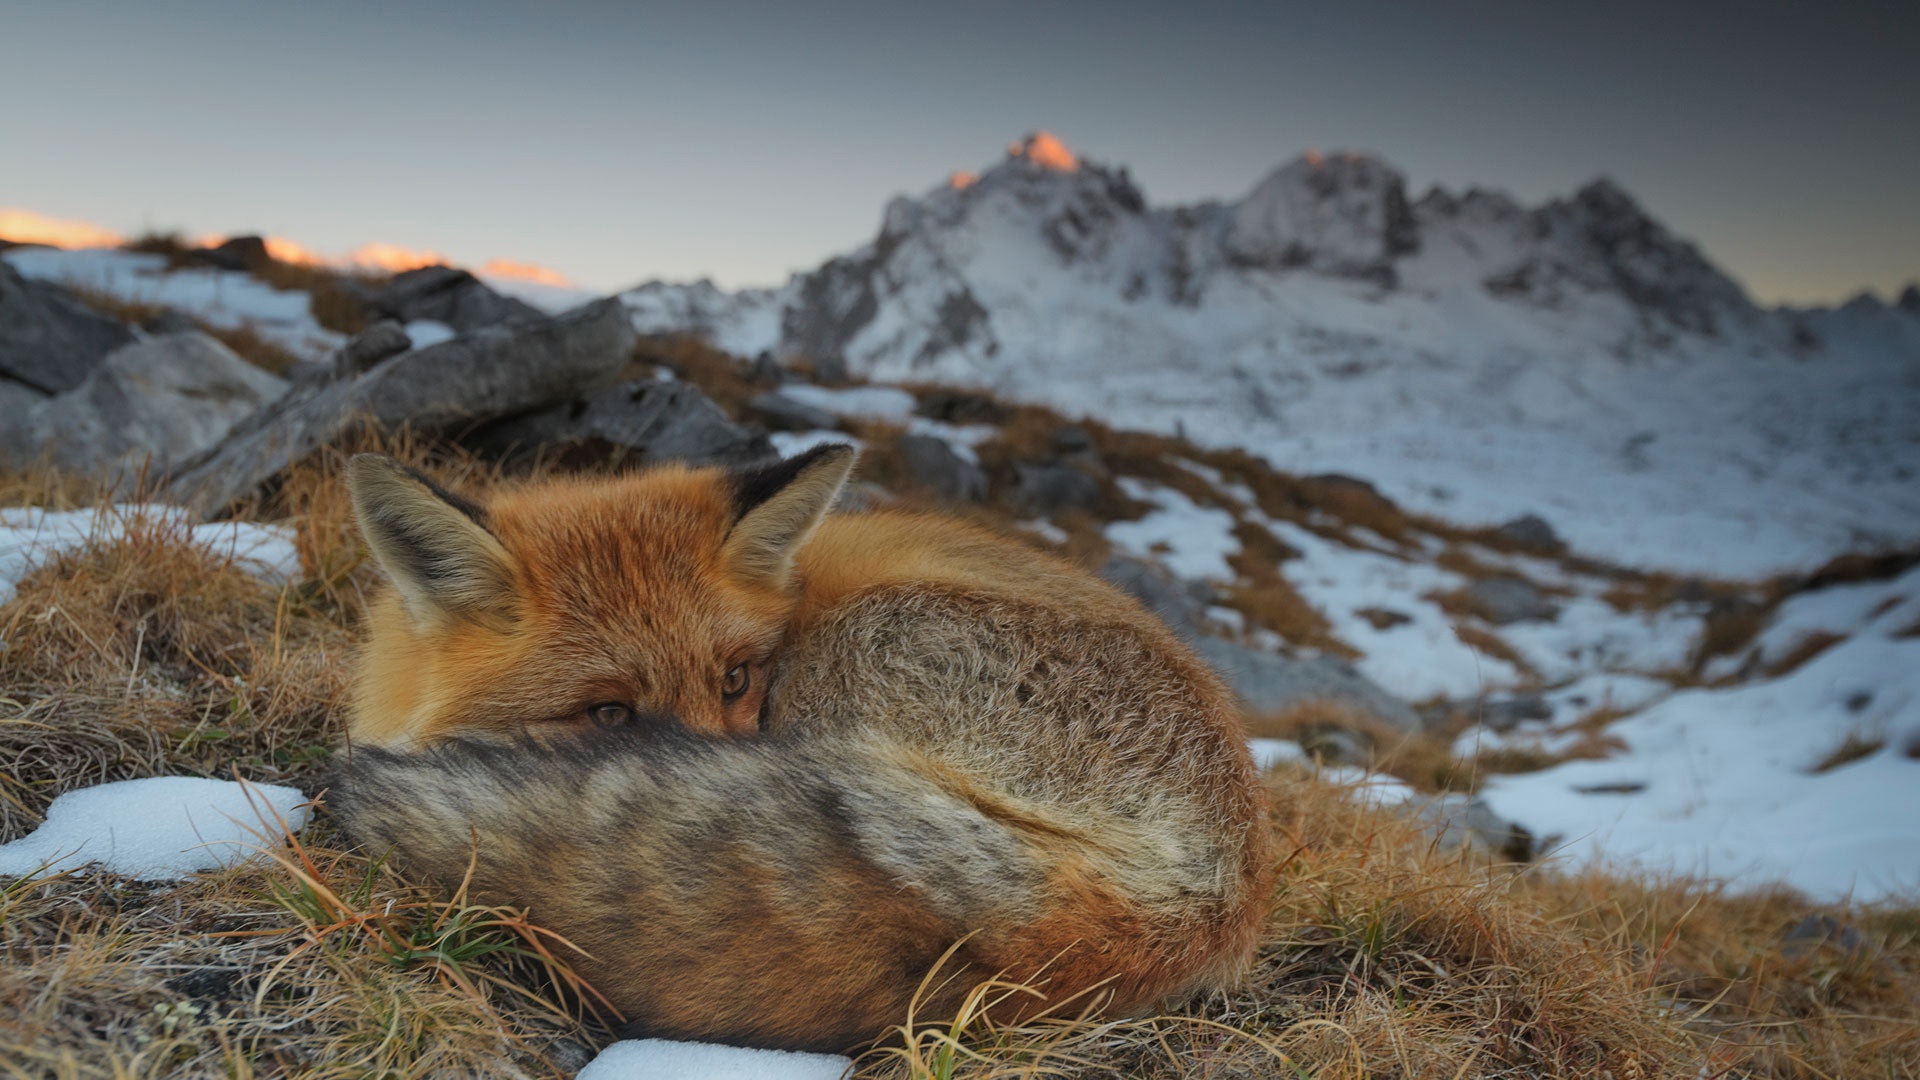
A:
1473	357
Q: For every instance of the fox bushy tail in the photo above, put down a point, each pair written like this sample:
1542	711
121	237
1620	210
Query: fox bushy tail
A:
786	891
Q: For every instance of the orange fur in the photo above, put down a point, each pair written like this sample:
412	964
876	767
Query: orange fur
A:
949	737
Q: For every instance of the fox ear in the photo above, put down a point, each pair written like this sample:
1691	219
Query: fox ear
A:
433	544
776	508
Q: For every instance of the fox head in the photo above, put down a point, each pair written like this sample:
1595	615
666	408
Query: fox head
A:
663	593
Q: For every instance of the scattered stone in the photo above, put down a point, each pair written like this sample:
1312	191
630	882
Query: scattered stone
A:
1457	821
170	321
380	341
642	421
1181	605
454	297
1817	934
1505	714
961	407
1047	490
1504	600
49	340
241	253
1531	532
765	370
782	413
451	386
1070	439
1383	618
1268	682
933	466
151	405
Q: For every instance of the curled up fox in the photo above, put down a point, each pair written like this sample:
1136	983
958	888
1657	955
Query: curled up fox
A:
767	766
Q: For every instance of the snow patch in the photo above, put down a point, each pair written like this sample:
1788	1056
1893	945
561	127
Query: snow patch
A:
665	1059
159	828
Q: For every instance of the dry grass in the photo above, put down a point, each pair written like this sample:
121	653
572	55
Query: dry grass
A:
1383	955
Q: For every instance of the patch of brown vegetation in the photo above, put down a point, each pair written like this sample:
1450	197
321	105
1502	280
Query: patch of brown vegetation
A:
1855	747
725	378
1803	651
244	340
333	294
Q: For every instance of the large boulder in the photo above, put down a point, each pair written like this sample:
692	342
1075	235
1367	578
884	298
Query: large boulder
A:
49	340
453	386
1503	600
449	296
639	422
151	404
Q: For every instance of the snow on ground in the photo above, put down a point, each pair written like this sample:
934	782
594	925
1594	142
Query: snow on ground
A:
1811	778
157	828
1191	540
226	299
29	536
789	443
664	1059
864	402
425	332
1417	659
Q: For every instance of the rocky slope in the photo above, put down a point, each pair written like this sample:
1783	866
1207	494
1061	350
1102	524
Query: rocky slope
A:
1475	357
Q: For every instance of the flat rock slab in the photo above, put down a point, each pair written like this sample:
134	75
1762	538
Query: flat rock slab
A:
640	421
439	389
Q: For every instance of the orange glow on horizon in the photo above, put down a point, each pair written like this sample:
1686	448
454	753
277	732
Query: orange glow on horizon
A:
394	258
1314	158
526	271
29	227
290	251
961	181
1045	150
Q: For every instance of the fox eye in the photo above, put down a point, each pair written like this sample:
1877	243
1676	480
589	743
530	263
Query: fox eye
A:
609	714
735	682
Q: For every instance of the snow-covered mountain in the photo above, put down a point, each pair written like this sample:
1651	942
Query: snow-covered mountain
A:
1475	357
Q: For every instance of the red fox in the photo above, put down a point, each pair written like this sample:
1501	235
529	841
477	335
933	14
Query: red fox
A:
766	766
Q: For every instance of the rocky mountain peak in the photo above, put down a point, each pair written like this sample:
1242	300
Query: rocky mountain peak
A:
1344	214
1909	301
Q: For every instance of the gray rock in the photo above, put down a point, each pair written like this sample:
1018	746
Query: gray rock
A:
16	401
641	421
1818	934
241	253
1046	490
1070	439
1507	713
782	413
152	403
49	339
1503	600
933	466
1268	682
1181	605
381	341
450	386
451	296
1532	533
170	321
1456	821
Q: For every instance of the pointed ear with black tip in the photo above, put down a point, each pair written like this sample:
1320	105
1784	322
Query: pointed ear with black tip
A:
778	506
433	545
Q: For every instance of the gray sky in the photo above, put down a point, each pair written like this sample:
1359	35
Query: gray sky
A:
744	140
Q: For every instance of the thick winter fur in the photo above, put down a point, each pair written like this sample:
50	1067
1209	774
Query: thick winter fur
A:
947	737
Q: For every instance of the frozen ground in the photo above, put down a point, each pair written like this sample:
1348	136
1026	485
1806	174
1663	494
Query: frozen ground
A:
1811	777
157	828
